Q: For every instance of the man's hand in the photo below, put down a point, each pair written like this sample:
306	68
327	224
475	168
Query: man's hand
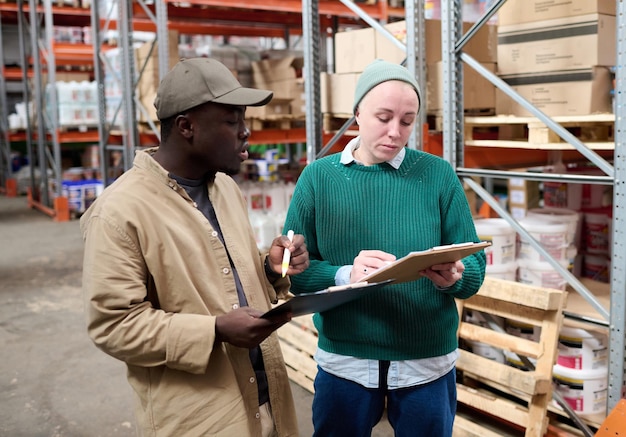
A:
299	261
245	328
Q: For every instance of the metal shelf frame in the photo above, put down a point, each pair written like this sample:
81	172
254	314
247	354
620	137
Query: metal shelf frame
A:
127	138
454	59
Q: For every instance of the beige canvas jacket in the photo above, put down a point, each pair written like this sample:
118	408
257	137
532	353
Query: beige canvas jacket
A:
155	277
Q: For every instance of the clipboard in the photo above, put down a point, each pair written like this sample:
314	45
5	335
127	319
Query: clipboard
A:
326	299
407	268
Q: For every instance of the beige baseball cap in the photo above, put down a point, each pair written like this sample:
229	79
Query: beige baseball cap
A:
195	81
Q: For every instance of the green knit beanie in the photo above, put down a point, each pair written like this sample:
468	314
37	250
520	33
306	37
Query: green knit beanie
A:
380	71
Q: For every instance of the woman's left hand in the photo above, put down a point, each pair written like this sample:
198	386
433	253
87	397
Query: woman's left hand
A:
445	275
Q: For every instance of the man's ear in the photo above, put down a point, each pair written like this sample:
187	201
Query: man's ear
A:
184	125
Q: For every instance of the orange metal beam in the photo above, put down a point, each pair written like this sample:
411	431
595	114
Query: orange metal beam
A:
15	73
380	10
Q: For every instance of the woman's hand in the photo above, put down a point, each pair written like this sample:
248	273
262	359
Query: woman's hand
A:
445	275
368	261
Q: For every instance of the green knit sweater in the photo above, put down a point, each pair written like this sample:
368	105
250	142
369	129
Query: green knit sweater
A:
343	209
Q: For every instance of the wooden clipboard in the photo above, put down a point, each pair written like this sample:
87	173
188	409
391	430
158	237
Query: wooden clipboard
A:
326	299
407	268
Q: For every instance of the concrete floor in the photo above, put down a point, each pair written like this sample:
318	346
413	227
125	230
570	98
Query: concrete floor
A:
53	380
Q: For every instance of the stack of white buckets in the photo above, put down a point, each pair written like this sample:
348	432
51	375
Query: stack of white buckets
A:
581	371
580	374
513	258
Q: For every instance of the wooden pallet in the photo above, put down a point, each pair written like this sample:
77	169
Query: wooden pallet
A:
298	340
595	131
334	122
528	392
516	398
284	122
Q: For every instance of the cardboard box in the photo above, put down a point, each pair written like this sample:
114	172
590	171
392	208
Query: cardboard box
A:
278	75
276	108
558	93
482	47
526	11
523	196
149	81
338	92
151	59
298	103
274	70
562	44
354	50
478	92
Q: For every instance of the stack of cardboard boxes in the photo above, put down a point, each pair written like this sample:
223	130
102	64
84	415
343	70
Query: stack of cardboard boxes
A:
147	57
355	49
557	55
281	73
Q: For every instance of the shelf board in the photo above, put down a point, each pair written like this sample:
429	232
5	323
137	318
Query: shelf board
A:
544	146
64	135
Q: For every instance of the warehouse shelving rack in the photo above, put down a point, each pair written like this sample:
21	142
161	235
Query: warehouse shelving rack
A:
453	150
44	137
274	18
207	16
453	62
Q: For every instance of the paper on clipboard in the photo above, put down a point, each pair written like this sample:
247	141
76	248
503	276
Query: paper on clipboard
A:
326	299
407	268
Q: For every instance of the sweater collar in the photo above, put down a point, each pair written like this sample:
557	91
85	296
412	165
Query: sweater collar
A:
347	155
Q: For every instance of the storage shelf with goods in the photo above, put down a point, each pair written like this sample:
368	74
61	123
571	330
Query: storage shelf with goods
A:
583	140
480	144
61	91
186	26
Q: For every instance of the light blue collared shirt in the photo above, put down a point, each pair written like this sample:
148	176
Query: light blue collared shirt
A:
401	374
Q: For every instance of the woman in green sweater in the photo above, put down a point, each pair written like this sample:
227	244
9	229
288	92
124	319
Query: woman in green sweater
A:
359	209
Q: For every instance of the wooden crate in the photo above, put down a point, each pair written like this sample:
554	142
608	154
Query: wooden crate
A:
519	397
298	340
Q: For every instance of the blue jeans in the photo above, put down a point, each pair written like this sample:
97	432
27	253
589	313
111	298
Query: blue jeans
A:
343	408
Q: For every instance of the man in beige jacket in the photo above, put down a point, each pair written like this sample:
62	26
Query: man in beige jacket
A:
174	283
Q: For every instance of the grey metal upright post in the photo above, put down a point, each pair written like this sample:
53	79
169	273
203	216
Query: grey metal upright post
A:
162	37
451	28
5	145
24	66
311	33
416	62
130	132
103	132
38	103
50	100
617	337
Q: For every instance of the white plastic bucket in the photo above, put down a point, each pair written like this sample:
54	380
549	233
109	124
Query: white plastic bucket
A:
502	237
541	274
582	350
522	330
596	267
553	237
584	390
506	271
561	215
487	351
596	232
